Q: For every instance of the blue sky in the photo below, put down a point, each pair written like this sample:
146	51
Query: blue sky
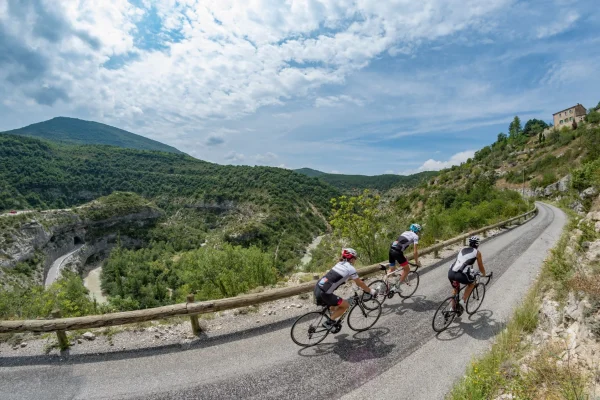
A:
359	86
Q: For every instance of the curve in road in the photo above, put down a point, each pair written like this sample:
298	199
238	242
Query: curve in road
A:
400	357
54	271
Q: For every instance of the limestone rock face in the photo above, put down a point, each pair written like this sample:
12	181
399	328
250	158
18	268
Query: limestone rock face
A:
587	193
51	234
564	183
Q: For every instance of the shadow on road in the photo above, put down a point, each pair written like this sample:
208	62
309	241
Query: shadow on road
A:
480	326
417	303
358	347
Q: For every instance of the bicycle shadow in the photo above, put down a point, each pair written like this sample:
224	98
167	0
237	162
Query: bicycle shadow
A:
480	326
354	348
416	303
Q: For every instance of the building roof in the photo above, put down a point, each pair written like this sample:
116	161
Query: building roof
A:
558	112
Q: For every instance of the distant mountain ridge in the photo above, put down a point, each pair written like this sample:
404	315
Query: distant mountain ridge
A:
78	131
354	183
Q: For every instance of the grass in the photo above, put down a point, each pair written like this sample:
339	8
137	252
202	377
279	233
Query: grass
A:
548	372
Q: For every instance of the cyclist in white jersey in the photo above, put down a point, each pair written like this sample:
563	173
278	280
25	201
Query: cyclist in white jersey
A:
333	279
397	248
461	270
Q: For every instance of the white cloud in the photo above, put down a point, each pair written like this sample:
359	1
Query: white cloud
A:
234	157
565	21
332	101
456	159
266	158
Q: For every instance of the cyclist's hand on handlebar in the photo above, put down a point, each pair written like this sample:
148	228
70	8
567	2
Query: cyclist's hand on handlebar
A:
373	292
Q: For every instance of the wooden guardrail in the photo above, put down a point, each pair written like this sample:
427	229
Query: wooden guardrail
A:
191	308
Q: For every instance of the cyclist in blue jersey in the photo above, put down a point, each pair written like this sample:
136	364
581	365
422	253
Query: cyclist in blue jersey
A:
333	279
396	253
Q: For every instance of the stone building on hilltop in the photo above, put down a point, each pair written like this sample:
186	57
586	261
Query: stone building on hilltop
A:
566	117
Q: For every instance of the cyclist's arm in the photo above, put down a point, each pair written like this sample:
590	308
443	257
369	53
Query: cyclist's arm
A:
362	285
416	253
480	263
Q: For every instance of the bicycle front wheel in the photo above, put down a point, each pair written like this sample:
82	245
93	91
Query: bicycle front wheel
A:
444	315
410	285
364	315
475	299
382	291
308	329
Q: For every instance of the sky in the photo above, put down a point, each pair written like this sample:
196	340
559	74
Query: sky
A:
356	87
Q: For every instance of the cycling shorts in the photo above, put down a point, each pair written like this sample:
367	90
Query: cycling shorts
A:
397	255
455	276
326	299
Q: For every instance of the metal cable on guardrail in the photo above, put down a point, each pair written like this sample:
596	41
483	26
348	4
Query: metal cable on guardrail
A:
191	308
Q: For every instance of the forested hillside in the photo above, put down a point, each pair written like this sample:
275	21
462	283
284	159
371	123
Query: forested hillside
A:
78	131
357	183
260	206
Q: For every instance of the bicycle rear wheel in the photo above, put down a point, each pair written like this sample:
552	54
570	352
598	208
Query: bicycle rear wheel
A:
382	291
444	315
308	329
362	317
475	299
410	285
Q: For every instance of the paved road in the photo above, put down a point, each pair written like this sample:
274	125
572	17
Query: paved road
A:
400	357
54	271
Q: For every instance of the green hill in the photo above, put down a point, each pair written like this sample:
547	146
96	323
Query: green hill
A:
357	183
263	206
78	131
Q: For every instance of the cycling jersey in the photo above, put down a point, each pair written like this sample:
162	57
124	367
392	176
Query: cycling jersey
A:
336	276
404	240
465	260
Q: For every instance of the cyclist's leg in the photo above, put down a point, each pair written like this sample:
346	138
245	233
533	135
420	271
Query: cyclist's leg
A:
392	260
406	270
468	291
340	309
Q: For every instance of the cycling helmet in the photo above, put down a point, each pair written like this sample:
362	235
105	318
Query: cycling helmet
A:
474	241
416	228
349	253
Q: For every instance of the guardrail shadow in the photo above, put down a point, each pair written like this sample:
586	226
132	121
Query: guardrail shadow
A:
203	341
480	326
354	348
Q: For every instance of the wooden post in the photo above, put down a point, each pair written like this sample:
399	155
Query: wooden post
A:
194	318
435	254
63	342
485	233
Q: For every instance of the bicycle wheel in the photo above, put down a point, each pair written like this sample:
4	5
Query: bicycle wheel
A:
307	330
444	315
410	285
475	299
382	288
362	317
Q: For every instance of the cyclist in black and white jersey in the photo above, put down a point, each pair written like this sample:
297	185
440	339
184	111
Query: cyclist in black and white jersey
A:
333	279
396	253
461	270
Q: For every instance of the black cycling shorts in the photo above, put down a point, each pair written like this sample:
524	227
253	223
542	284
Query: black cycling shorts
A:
397	255
454	276
326	299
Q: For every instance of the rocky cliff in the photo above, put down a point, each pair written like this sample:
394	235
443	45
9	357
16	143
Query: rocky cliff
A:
37	239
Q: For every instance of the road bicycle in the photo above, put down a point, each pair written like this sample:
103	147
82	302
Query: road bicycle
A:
385	288
363	313
450	308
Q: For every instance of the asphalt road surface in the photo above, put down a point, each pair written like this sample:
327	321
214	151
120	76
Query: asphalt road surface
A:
54	271
400	356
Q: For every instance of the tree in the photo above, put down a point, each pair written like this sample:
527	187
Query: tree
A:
501	137
534	127
356	219
514	129
593	117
